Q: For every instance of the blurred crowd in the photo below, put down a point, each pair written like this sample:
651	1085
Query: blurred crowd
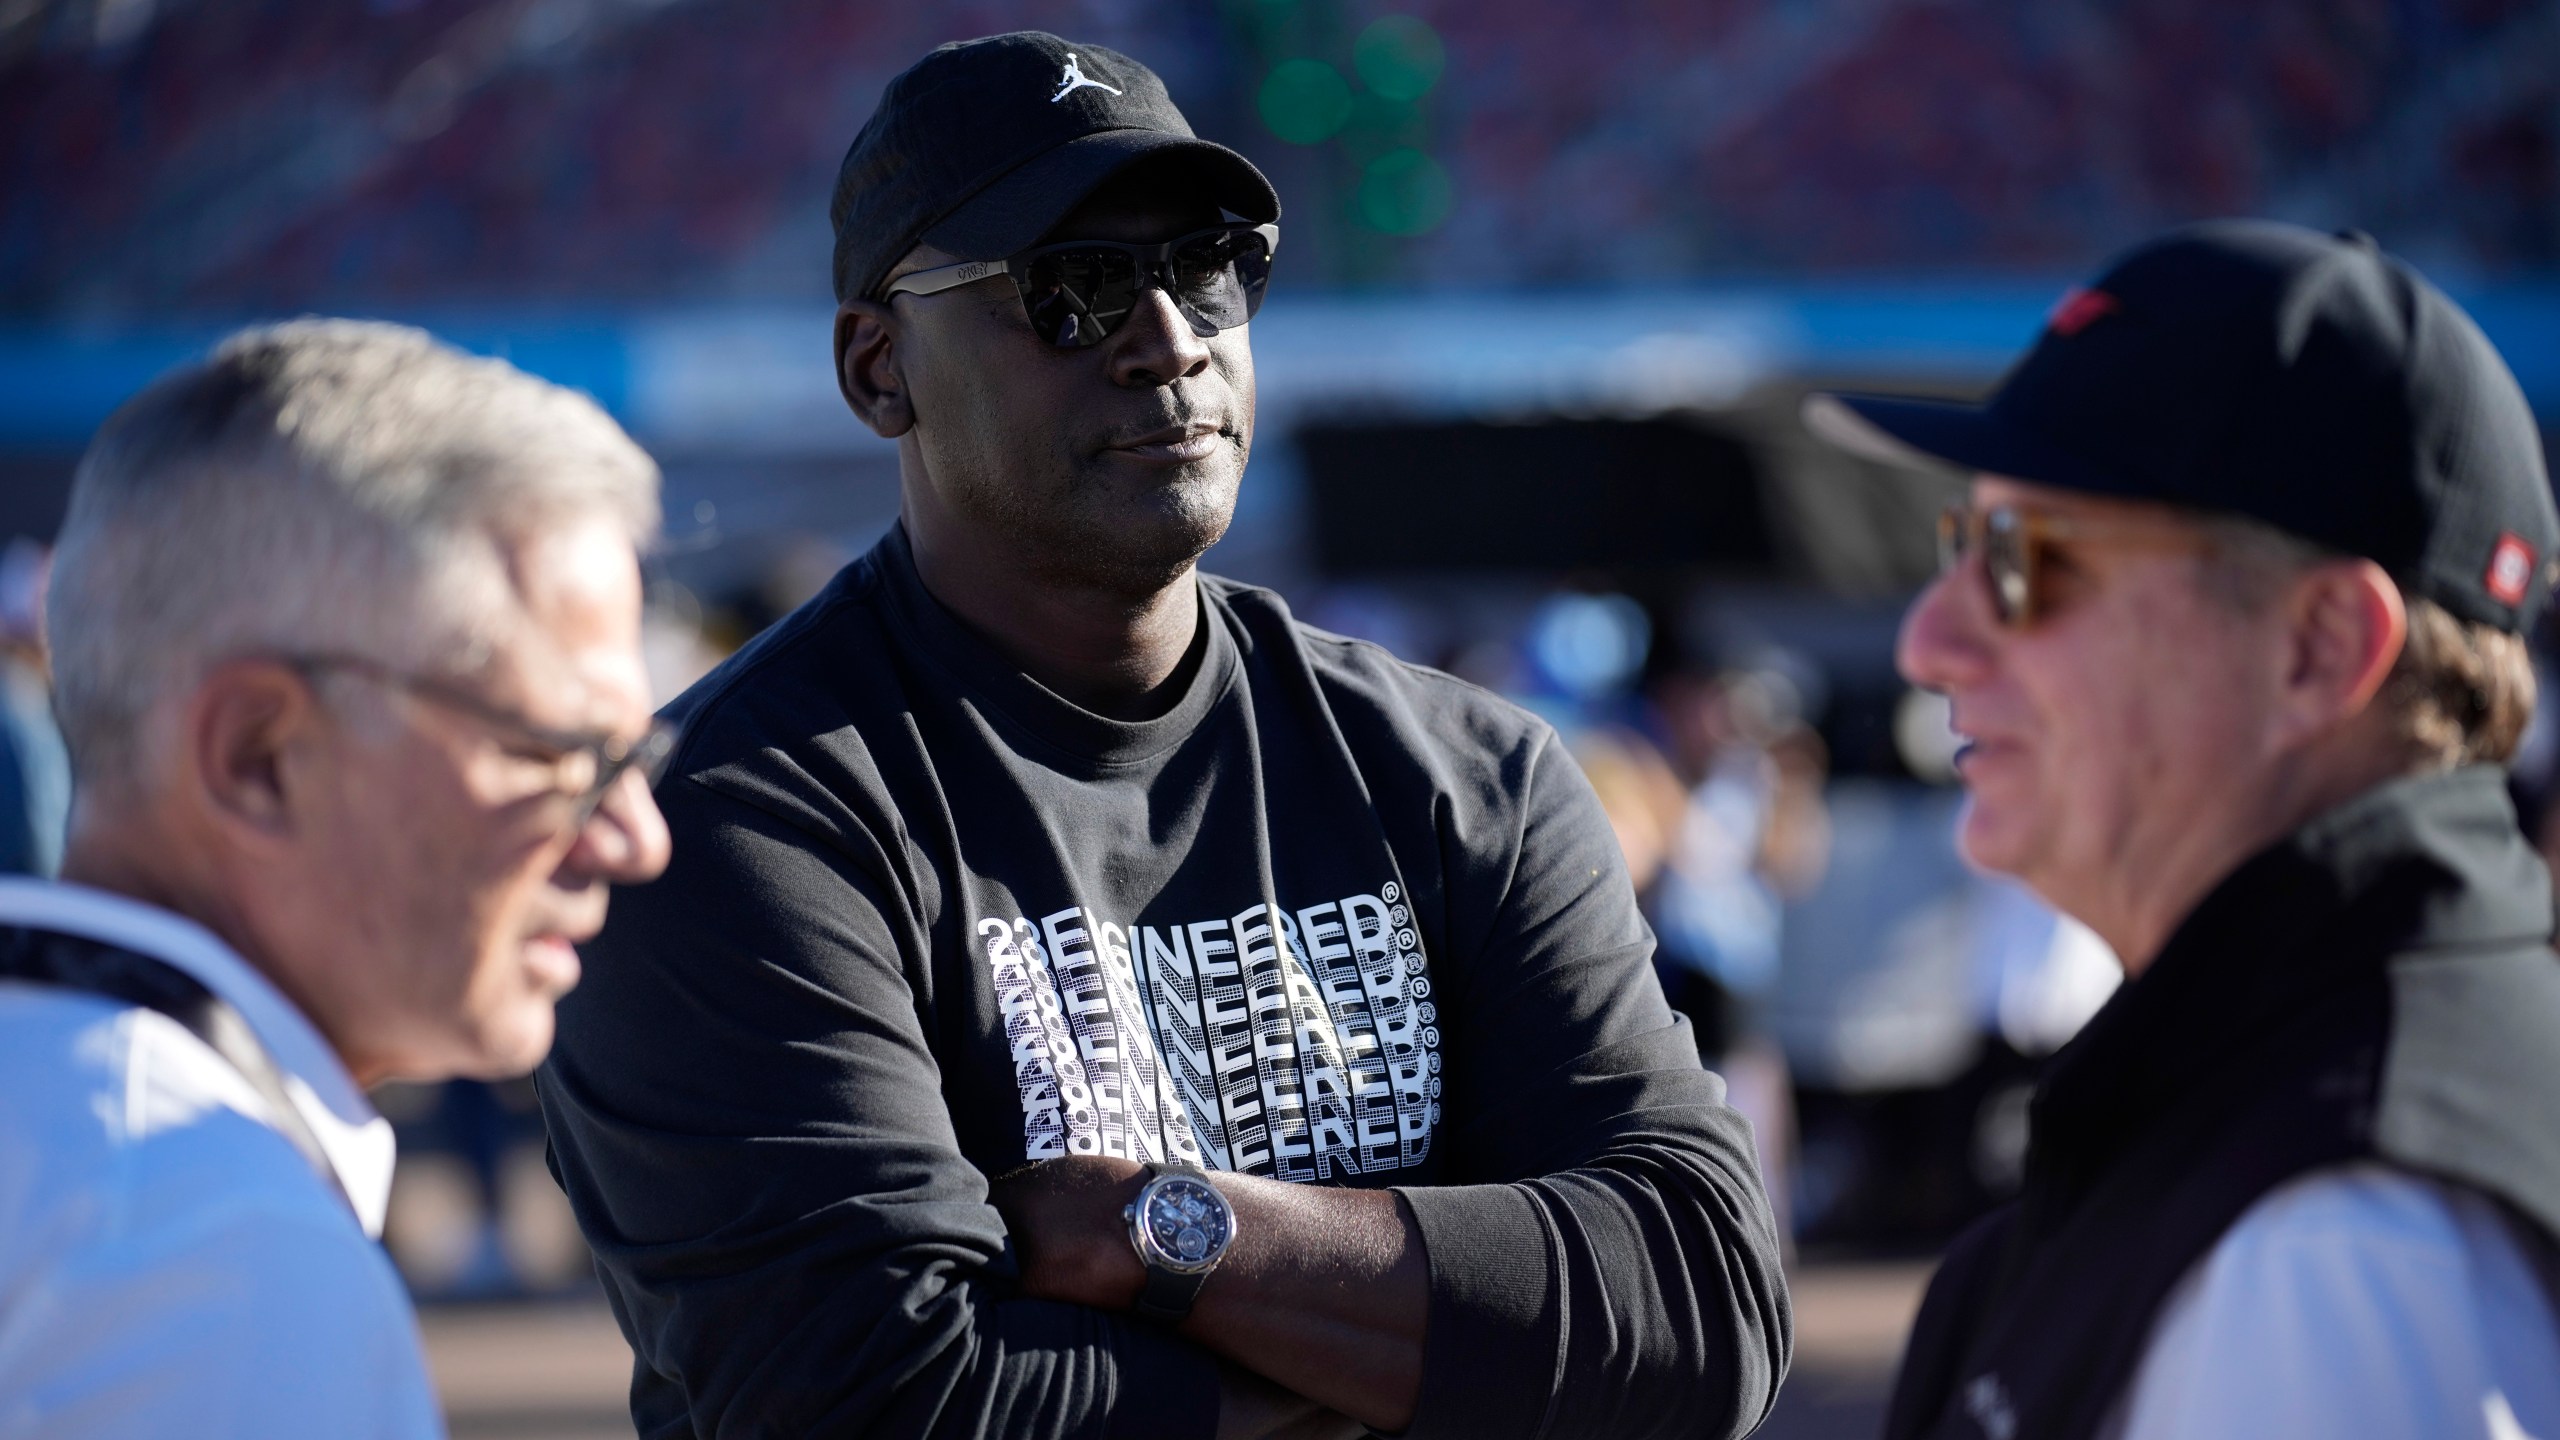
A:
280	152
1875	1009
298	153
1644	140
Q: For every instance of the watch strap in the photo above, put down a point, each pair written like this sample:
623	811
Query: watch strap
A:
1168	1294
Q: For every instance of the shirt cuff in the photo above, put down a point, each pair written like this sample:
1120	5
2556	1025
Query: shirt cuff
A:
1495	1336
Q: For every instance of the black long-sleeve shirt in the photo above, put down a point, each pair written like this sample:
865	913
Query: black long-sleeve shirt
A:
1333	918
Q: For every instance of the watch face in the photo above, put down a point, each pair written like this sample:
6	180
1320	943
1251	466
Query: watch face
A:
1187	1220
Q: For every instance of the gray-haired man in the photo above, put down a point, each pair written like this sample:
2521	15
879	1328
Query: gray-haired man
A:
345	628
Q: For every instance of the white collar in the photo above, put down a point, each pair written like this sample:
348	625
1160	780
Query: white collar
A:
356	1139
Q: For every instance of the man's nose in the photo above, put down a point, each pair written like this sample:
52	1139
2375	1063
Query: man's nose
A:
1945	638
1155	346
625	842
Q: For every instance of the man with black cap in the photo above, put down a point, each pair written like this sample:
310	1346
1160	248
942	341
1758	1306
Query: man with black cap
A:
1044	909
2231	627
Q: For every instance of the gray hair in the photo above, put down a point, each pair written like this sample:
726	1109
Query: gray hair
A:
2461	691
314	485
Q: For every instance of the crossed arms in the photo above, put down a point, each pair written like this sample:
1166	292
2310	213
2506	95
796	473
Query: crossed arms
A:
749	1117
1324	1295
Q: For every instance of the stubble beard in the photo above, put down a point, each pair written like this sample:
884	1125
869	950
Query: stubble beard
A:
1081	530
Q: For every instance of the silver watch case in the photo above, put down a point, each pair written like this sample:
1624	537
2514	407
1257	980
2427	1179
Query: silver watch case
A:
1180	1222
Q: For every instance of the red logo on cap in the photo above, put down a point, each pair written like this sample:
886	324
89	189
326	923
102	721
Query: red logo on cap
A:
2078	309
2510	569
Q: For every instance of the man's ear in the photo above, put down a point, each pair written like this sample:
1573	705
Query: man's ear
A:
244	726
2348	624
867	369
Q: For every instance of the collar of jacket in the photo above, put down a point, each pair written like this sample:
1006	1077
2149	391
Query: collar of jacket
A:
2426	863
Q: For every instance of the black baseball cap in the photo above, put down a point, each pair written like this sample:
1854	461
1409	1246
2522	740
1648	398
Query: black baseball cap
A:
983	145
2305	380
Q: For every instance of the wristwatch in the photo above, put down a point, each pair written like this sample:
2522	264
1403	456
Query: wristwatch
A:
1181	1227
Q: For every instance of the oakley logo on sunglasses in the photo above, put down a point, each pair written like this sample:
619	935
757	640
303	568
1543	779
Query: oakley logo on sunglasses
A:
1074	80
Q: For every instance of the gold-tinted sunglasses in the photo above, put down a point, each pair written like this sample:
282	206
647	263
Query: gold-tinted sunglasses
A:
2012	542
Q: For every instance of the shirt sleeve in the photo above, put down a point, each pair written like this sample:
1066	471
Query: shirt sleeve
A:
2356	1304
1614	1271
750	1123
226	1317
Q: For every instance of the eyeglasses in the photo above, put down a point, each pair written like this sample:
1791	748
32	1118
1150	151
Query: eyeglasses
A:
586	765
2013	541
1077	292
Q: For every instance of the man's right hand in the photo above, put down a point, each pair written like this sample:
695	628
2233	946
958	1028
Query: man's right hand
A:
1326	1291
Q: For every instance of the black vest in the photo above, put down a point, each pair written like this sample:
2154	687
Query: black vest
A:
2378	986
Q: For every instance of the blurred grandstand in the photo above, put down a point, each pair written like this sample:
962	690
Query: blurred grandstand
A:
1495	208
217	155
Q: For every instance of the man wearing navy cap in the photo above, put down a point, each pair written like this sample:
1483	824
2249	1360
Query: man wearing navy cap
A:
2232	630
1089	1002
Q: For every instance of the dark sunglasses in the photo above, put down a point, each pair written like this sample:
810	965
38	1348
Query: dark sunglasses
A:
585	766
2013	543
1076	292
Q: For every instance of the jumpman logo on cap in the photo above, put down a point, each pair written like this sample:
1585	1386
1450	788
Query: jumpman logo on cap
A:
1075	80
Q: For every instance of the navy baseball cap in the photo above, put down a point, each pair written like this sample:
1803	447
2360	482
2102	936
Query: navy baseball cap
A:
2304	380
983	145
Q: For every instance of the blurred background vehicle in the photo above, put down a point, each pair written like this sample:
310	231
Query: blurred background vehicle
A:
1555	277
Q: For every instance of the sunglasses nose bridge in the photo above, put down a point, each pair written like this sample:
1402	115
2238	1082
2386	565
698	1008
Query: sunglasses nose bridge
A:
1075	315
1157	270
1152	274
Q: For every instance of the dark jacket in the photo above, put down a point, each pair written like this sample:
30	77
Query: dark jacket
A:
2378	986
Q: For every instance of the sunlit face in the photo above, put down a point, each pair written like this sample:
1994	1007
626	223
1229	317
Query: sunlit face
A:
2136	706
1117	463
450	855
